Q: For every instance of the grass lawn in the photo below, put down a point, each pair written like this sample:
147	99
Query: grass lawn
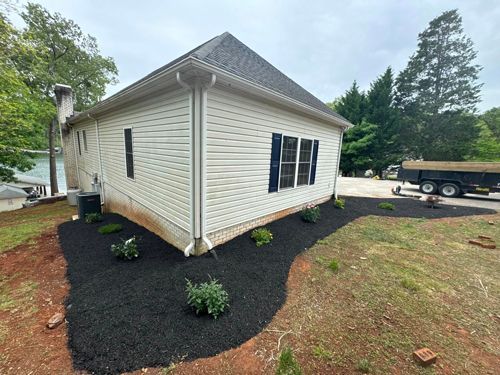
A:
401	284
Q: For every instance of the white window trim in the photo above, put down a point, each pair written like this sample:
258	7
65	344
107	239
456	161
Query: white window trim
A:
85	142
296	163
125	152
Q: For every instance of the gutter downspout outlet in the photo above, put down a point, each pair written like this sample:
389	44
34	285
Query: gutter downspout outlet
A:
189	250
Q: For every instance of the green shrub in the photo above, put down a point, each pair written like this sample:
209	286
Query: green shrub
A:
339	203
334	265
110	228
209	297
261	236
364	366
287	364
310	213
387	206
93	217
126	249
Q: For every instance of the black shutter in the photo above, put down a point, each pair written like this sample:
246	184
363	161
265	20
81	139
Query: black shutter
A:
312	177
275	163
129	153
79	147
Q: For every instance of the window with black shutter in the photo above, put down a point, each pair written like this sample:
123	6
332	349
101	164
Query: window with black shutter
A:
129	152
79	146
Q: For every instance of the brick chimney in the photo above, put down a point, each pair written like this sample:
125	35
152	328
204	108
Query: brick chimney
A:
64	104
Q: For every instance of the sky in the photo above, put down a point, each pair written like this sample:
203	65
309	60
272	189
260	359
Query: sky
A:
322	45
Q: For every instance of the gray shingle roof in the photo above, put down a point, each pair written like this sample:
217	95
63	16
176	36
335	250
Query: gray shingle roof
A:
11	192
228	53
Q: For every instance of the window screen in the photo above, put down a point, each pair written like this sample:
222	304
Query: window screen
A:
304	162
288	162
129	154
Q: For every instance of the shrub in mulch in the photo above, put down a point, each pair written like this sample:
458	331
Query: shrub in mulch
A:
110	228
126	249
310	213
261	236
339	203
387	206
93	217
207	298
125	316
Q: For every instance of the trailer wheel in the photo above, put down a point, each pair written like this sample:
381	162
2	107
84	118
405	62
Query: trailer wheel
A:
428	187
449	190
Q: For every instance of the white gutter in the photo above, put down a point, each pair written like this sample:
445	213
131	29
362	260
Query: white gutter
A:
99	155
338	163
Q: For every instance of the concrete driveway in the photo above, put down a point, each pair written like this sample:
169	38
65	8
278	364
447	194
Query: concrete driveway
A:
365	187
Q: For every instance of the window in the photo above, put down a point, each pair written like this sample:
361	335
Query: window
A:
79	146
129	155
84	134
304	162
288	162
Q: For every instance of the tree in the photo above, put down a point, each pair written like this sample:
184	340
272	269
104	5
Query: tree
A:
438	91
487	145
20	110
380	111
352	105
358	147
67	56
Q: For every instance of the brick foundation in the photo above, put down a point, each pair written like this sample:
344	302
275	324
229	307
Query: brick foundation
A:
226	234
122	204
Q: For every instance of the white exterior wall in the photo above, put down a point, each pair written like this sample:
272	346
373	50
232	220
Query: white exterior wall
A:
88	162
159	195
239	136
11	204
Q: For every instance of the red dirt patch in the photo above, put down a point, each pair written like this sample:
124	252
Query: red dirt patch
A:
29	346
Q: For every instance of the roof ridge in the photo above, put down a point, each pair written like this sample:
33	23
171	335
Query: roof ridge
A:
209	46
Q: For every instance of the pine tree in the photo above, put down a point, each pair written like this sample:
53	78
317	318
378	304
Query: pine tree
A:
352	105
438	91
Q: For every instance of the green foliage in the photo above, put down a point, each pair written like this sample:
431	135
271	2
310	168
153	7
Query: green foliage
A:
261	236
322	353
364	366
93	217
437	92
387	206
334	265
410	284
126	249
487	145
209	297
110	228
352	105
358	147
310	213
339	203
287	364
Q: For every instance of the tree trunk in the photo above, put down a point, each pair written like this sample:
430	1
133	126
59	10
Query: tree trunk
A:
52	157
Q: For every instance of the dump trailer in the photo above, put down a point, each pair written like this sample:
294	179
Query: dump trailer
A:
451	179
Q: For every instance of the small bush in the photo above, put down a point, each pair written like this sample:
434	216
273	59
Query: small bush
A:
339	203
110	228
334	265
261	236
209	297
410	284
364	366
287	364
387	206
126	249
93	217
310	213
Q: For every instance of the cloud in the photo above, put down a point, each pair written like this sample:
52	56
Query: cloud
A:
323	45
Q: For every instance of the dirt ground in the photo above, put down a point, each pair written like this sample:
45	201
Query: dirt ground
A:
396	290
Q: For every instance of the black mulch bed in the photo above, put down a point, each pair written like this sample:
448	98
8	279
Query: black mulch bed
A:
125	315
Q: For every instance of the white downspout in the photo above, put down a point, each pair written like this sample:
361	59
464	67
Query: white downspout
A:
338	163
203	144
99	155
189	250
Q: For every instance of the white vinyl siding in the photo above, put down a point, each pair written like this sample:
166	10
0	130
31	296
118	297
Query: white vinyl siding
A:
160	134
87	157
239	139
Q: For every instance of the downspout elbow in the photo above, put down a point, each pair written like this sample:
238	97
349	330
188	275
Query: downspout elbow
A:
189	250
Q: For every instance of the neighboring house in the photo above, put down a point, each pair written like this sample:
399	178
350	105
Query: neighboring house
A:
212	144
11	198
